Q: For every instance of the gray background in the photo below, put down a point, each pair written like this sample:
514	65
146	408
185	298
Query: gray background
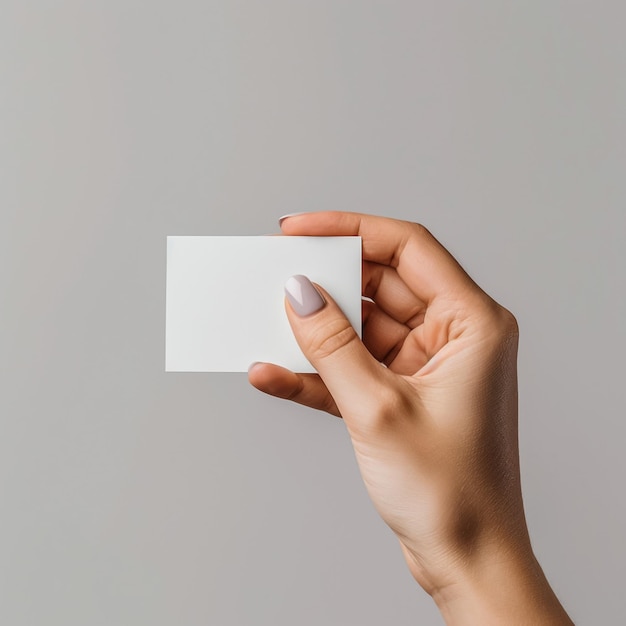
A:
130	496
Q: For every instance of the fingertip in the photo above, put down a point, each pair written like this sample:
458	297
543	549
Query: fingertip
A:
282	218
257	375
272	379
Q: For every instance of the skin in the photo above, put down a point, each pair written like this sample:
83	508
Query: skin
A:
435	431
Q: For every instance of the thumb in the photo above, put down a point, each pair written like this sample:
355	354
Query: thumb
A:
352	375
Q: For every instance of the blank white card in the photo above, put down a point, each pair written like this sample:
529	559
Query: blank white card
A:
225	297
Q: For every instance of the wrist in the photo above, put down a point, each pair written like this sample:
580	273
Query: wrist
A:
500	585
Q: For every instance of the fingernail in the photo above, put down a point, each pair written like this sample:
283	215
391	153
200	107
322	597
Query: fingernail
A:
253	364
284	217
303	296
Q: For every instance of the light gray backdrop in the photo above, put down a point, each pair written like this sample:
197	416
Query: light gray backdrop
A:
134	497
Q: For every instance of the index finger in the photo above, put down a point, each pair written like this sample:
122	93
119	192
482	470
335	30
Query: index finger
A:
421	261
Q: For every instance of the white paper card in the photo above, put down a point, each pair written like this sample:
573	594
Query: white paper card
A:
225	297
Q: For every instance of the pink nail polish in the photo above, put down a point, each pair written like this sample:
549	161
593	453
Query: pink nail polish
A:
303	296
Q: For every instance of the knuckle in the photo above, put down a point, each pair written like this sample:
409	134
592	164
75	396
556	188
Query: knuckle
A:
412	231
392	408
502	320
420	231
389	408
295	392
331	337
508	322
418	228
497	322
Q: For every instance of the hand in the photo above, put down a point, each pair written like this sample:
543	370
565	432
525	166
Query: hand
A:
435	431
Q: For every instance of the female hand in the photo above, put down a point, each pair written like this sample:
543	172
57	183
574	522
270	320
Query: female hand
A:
435	431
